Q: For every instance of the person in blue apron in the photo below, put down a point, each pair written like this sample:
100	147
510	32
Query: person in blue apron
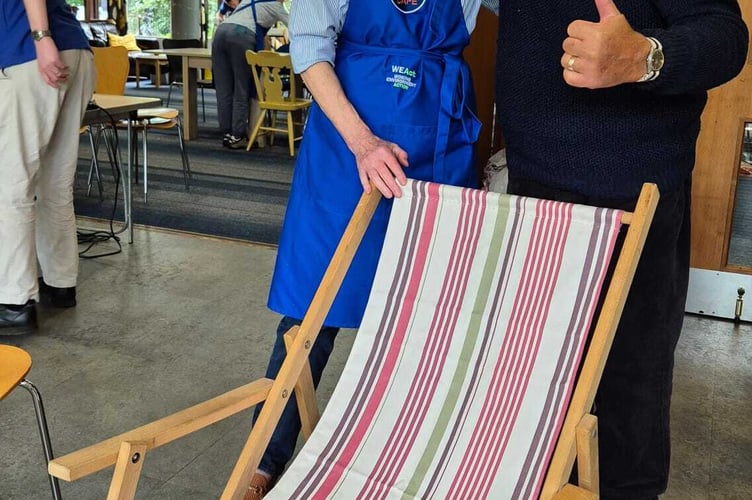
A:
242	29
394	99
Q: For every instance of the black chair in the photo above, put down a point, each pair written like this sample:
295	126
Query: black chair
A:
176	68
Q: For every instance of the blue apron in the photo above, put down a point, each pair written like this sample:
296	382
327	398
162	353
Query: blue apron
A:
400	65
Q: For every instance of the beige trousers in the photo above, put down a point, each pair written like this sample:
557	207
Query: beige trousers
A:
39	136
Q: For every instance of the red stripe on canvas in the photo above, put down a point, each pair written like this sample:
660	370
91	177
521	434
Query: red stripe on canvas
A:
477	464
430	367
371	407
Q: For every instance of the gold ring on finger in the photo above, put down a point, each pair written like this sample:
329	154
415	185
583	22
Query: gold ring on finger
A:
570	63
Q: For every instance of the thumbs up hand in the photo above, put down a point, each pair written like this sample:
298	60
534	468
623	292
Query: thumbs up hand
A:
606	53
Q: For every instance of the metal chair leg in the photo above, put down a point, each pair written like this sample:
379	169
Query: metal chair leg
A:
187	174
203	106
94	167
146	162
44	432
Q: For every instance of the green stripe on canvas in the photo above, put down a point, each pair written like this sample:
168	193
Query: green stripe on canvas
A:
497	238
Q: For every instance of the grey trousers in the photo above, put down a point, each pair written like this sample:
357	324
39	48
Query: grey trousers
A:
232	77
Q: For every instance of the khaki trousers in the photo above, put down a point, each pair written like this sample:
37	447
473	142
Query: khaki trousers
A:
39	136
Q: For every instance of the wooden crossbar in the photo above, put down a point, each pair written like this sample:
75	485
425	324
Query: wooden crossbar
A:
160	432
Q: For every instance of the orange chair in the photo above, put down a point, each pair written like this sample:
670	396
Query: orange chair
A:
15	364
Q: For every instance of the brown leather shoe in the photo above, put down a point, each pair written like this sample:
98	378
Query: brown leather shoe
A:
259	487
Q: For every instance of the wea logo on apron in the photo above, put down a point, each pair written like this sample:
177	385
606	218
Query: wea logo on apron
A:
408	6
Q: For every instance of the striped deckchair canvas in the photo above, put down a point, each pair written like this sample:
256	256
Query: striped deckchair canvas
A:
464	365
461	383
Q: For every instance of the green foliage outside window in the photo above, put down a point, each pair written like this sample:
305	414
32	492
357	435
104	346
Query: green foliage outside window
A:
149	17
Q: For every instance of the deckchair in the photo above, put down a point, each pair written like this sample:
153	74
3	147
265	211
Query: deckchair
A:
469	377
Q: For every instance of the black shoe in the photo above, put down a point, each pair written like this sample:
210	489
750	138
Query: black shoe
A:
57	297
226	140
18	320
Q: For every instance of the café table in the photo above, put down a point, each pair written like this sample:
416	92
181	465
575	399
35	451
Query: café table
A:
121	107
156	61
193	59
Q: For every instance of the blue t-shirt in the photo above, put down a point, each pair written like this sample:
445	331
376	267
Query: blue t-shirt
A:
16	44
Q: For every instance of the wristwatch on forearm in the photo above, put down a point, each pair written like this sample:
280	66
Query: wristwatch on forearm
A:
37	35
654	61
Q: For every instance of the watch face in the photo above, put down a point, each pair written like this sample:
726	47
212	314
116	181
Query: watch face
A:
656	60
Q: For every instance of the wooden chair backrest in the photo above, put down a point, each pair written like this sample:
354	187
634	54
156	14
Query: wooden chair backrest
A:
112	66
15	363
271	70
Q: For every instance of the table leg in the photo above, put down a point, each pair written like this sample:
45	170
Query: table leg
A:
138	72
158	76
190	108
127	174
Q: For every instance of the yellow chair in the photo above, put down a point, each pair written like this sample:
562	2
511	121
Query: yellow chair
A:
271	71
15	364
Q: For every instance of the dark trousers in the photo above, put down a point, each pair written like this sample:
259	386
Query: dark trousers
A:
232	77
632	403
282	444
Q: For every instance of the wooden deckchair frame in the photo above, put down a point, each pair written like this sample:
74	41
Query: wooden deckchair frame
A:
577	440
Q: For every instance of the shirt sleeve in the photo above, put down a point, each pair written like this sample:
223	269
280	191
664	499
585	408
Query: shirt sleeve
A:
315	25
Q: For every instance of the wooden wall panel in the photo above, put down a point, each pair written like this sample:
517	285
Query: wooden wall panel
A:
481	57
716	167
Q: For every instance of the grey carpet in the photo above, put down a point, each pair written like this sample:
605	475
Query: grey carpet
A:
233	193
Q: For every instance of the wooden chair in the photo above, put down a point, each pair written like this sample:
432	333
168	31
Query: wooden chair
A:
481	287
15	364
112	68
112	73
276	90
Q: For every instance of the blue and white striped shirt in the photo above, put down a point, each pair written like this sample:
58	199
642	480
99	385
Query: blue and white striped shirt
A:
315	24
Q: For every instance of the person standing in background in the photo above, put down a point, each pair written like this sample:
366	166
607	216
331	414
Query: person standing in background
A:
393	99
596	97
241	30
46	81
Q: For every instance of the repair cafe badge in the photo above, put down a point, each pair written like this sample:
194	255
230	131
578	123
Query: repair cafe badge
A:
408	6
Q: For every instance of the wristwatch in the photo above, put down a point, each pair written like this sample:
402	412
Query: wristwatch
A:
654	61
39	34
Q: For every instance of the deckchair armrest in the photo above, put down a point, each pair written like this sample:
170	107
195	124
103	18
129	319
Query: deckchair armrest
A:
572	492
154	434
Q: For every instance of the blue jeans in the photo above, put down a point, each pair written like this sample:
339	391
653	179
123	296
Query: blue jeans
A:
282	444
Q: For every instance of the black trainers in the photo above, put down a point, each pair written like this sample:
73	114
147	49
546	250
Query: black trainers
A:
18	319
57	297
226	140
235	142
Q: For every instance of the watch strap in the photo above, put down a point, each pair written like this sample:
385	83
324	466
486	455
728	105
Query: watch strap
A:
39	34
651	74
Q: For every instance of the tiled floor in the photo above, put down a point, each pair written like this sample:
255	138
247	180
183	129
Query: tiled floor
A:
177	319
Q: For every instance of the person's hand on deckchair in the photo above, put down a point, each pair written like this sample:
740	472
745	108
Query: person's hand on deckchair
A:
378	161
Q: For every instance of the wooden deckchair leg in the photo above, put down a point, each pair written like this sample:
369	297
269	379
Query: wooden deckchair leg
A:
127	470
305	393
587	453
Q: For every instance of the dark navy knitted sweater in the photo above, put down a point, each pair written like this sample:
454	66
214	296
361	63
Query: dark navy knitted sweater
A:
606	143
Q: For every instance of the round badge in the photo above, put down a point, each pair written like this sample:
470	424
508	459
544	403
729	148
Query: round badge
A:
408	6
